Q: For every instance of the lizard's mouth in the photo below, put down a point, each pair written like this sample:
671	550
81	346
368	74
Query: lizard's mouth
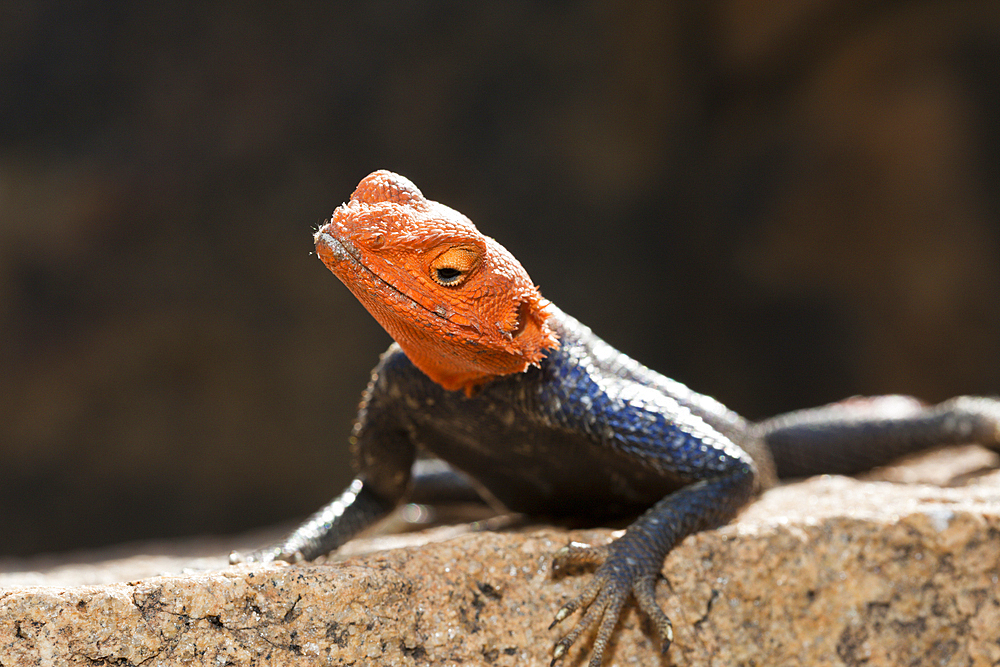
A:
335	252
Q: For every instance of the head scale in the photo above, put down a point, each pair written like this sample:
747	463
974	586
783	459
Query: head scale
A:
461	307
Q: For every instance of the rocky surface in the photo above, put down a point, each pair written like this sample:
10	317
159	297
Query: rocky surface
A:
830	571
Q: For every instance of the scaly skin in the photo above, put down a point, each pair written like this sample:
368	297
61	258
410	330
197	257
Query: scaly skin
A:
548	419
430	278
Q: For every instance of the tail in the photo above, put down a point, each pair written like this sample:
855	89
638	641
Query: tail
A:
860	433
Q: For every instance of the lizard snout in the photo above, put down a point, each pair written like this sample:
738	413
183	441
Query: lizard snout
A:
330	248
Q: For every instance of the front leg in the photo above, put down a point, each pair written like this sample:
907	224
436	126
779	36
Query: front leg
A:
383	456
354	510
706	477
631	564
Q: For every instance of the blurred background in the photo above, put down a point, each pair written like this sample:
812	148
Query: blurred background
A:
780	203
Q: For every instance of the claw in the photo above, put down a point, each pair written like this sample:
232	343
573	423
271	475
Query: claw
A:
602	600
666	636
644	590
565	611
267	555
558	652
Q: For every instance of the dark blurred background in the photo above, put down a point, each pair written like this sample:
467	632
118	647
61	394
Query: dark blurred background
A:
778	203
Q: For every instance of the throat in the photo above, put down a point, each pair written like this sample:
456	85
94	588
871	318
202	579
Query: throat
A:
463	363
459	367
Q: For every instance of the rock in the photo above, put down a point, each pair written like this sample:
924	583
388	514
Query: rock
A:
830	571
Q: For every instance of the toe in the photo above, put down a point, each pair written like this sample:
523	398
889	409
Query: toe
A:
577	554
645	595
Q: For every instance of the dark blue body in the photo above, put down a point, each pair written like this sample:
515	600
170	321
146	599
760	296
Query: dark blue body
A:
594	434
588	433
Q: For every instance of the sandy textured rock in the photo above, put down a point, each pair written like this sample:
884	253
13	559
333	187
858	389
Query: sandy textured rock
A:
831	571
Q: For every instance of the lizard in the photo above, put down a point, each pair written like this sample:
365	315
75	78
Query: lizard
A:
517	401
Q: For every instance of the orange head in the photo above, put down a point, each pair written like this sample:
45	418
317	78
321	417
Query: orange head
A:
459	305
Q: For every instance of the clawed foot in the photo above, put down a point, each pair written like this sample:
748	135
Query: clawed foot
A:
976	417
617	576
265	555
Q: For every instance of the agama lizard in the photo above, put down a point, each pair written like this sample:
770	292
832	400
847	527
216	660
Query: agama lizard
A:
545	418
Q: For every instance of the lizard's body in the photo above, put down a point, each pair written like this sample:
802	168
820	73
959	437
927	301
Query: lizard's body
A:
546	418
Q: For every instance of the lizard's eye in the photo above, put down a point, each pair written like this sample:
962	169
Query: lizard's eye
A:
454	265
447	275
